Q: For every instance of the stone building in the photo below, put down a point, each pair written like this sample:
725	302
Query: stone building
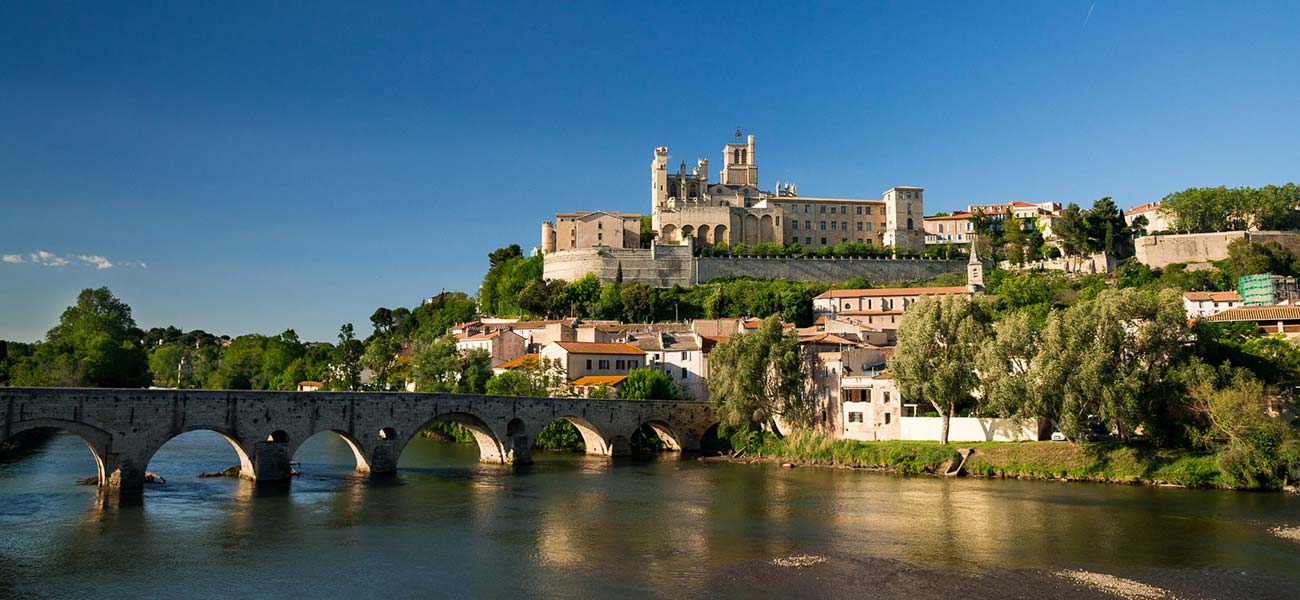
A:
590	229
686	205
734	210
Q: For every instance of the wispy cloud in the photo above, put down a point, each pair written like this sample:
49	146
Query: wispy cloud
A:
98	262
48	259
1090	9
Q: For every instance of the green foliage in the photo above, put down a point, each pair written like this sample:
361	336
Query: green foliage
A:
560	435
508	273
755	377
649	384
439	367
1201	210
935	355
345	367
1249	258
537	378
1257	450
95	344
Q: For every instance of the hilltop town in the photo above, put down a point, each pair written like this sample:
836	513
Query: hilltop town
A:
662	306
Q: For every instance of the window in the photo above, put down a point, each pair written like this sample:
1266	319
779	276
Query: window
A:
868	210
632	364
589	363
685	375
807	208
823	209
823	241
686	355
886	400
823	225
600	225
618	364
794	224
807	240
603	365
599	236
859	210
778	221
832	225
844	225
807	224
859	228
868	226
887	418
844	210
855	417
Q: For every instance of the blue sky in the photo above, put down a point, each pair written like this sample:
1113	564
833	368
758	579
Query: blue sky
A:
253	168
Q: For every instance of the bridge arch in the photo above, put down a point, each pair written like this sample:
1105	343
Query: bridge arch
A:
595	440
490	448
359	454
664	430
97	440
246	467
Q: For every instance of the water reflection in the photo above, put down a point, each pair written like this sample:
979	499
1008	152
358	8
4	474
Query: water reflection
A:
572	524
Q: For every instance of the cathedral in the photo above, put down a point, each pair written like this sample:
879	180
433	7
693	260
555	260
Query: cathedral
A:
687	205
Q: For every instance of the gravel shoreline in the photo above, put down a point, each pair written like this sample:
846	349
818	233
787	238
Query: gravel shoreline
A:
815	576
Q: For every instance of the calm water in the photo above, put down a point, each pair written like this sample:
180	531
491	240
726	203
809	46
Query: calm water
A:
570	526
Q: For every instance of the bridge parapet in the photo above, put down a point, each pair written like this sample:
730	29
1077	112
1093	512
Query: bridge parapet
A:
124	428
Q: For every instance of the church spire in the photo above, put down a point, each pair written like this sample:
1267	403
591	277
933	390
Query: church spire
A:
974	271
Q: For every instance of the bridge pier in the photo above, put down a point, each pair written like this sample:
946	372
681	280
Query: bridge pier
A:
382	460
519	449
271	462
122	474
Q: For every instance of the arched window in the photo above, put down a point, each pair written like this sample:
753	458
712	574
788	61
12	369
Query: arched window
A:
909	224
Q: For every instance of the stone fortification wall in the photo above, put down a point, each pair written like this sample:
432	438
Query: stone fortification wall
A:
1162	250
827	270
660	266
665	266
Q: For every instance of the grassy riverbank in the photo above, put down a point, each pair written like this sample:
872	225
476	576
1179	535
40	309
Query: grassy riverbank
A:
1103	462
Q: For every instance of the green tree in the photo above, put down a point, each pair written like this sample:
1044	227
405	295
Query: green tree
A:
638	302
381	358
345	371
756	377
95	344
437	366
649	384
935	357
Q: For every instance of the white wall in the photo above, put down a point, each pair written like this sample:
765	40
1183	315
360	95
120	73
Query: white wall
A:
969	429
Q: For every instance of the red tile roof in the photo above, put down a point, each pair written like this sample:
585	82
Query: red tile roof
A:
520	362
1213	296
1258	313
599	380
1149	206
879	292
600	348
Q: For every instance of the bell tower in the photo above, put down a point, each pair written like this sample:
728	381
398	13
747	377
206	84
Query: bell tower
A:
904	220
739	166
659	178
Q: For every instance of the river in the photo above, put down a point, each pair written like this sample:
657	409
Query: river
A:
573	526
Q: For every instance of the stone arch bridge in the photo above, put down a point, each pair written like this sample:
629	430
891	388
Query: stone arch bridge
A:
125	427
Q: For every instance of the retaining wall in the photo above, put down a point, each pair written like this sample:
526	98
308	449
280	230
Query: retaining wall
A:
666	266
1158	251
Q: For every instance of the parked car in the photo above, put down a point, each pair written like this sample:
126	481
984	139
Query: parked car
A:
1057	436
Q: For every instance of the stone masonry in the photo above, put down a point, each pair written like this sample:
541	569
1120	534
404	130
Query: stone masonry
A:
124	428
